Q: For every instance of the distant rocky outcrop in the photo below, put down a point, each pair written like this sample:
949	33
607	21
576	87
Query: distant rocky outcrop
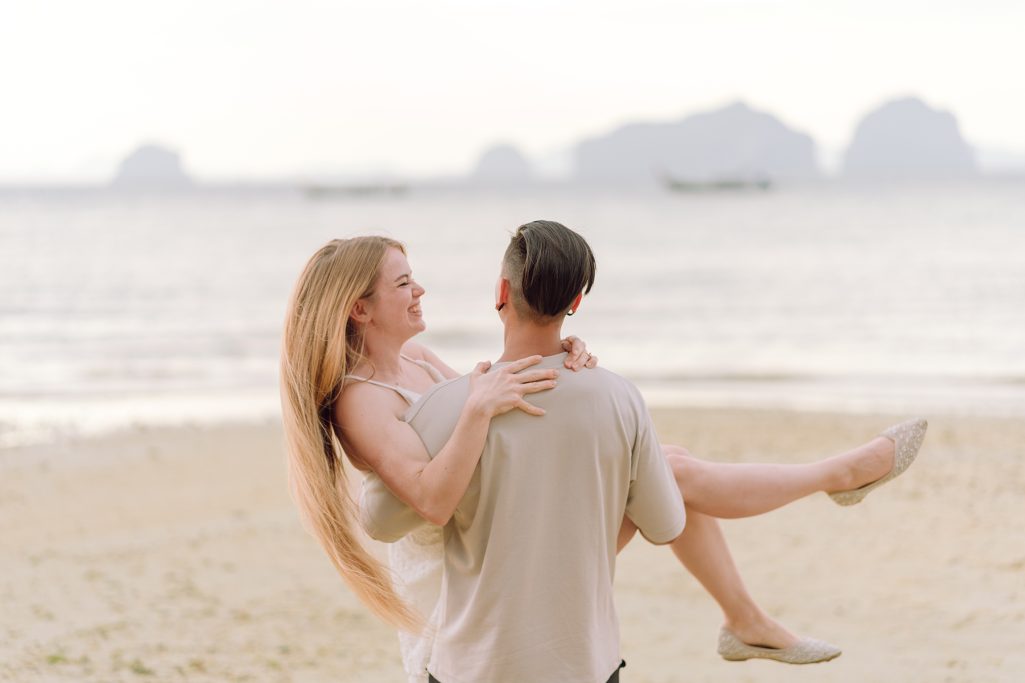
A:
502	165
906	138
151	166
734	143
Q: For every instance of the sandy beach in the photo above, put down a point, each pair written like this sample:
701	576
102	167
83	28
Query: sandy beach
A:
176	554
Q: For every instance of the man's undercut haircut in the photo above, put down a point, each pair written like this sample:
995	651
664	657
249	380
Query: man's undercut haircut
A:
547	266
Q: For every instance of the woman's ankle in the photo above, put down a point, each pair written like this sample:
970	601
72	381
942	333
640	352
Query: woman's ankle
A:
758	628
860	466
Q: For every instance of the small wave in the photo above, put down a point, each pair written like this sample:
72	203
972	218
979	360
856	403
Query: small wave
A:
685	377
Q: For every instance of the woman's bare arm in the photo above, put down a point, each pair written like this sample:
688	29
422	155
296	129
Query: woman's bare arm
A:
433	487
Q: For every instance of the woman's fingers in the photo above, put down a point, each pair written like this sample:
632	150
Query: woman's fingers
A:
529	408
576	352
522	363
592	361
535	376
534	387
504	390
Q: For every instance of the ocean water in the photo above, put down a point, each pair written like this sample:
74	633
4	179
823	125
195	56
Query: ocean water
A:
119	309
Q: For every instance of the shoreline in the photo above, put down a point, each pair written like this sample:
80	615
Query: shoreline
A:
175	553
29	422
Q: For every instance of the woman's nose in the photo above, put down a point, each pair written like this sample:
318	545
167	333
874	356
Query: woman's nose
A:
418	289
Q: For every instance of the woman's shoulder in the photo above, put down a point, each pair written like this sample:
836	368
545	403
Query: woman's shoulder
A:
361	411
349	398
359	398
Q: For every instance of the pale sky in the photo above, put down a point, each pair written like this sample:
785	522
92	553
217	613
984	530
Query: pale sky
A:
260	88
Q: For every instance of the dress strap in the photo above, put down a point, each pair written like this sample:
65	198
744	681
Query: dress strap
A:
408	395
431	370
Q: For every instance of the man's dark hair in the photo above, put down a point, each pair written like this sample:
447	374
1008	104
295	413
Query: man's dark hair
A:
547	265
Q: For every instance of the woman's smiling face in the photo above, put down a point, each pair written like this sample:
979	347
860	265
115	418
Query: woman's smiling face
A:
394	307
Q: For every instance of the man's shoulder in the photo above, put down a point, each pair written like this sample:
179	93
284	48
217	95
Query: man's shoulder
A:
436	413
440	398
603	379
596	394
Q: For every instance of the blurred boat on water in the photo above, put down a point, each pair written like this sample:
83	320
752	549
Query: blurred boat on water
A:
718	185
358	190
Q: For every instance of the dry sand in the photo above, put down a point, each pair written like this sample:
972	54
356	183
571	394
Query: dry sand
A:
175	554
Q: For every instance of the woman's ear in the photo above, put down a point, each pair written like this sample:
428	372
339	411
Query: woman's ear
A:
359	313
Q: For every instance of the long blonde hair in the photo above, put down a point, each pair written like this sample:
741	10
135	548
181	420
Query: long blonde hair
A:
320	345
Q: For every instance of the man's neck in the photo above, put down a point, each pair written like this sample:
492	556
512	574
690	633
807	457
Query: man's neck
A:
528	339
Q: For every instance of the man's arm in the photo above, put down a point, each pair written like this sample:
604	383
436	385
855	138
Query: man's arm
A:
382	515
654	503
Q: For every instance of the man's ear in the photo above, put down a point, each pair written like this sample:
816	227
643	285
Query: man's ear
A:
503	294
359	313
576	303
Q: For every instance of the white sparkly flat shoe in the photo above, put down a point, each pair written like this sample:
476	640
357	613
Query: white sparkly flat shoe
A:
907	439
804	651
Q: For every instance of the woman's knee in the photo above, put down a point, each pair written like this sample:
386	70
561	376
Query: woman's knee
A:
671	449
680	465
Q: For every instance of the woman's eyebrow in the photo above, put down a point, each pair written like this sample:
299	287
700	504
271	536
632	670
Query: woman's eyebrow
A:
402	276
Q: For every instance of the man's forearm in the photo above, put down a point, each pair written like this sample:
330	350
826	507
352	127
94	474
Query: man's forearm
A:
382	515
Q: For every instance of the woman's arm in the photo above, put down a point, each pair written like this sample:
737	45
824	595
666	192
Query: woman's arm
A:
434	486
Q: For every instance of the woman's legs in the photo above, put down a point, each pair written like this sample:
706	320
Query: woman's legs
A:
703	551
732	490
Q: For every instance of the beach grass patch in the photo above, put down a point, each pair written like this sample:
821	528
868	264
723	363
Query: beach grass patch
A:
139	668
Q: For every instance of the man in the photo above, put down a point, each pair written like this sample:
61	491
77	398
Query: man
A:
530	551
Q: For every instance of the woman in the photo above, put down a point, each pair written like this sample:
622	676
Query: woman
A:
350	371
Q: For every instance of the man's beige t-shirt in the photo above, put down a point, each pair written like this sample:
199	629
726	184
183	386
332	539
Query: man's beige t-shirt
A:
530	552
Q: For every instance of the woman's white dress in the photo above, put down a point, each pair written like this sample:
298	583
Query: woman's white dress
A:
416	560
417	564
